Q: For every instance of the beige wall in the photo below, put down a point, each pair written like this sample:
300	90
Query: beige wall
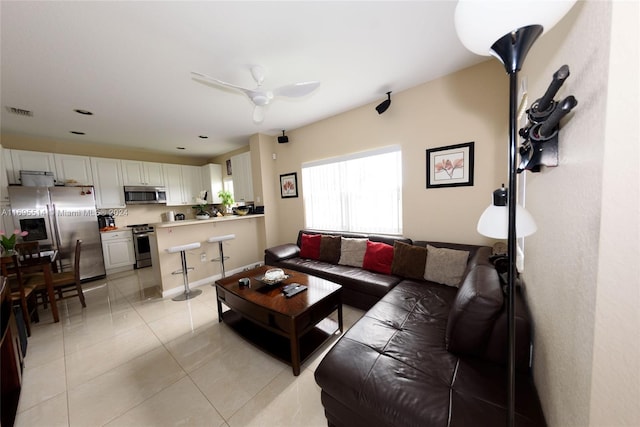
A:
585	359
466	106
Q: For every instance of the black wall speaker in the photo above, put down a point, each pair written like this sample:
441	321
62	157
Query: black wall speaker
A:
283	139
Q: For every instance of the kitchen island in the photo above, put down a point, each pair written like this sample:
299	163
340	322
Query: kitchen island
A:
245	251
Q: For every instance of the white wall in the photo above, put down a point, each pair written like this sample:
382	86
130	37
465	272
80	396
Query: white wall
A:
615	384
569	297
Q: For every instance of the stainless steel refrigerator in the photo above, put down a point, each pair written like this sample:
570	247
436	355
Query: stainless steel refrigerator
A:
58	216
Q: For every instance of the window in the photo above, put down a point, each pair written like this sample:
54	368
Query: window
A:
360	193
227	184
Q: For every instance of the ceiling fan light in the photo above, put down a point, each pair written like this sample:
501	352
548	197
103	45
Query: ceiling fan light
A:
260	99
258	114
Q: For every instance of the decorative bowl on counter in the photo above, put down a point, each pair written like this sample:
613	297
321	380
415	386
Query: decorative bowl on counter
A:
242	210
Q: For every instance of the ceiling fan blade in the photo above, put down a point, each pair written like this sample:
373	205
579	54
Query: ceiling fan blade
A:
218	82
297	89
258	114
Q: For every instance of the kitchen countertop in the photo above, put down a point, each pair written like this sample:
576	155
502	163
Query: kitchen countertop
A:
116	230
205	221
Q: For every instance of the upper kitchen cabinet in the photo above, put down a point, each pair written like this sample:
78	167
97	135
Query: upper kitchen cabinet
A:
193	183
4	182
212	177
107	174
242	177
183	184
142	173
174	186
73	170
30	161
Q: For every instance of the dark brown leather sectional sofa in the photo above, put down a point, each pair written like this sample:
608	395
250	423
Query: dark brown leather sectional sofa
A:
424	354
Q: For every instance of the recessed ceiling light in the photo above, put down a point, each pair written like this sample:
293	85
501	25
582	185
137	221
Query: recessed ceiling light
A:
83	112
203	137
180	148
75	132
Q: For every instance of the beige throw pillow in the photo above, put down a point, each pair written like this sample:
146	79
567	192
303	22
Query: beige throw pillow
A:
352	251
445	265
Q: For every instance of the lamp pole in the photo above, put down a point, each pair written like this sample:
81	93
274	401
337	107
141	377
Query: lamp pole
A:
511	49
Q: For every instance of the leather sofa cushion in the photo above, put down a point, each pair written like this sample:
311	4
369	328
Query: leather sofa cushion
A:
474	311
408	261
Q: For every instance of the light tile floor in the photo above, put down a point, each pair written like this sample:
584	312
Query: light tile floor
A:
132	358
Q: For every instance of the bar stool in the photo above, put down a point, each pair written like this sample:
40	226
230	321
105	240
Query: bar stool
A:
188	293
220	240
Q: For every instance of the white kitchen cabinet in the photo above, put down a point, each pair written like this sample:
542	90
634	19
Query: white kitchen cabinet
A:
73	170
107	174
174	184
118	251
212	178
6	218
242	177
4	181
142	173
31	161
193	184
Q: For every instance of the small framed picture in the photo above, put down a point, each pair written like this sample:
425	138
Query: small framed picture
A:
450	166
289	185
229	172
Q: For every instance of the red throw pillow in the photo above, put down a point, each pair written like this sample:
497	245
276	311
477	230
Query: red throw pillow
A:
378	257
310	246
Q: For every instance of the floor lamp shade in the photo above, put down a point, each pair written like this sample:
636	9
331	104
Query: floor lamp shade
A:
494	222
480	23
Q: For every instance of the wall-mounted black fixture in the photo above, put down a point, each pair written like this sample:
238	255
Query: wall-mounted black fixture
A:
283	139
384	105
540	146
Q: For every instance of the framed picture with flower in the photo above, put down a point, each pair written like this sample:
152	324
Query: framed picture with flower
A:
289	185
450	166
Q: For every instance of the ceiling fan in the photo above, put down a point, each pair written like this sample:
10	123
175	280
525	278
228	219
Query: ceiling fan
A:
260	97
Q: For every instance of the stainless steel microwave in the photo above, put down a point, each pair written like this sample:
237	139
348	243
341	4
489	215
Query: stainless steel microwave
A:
139	195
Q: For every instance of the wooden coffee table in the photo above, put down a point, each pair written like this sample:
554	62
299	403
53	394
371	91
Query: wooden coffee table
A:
290	329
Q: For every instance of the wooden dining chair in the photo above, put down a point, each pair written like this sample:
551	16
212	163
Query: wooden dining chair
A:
66	284
28	250
21	294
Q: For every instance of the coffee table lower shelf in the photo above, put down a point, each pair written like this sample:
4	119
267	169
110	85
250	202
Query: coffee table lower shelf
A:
278	345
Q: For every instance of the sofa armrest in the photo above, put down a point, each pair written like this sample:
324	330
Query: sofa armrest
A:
281	252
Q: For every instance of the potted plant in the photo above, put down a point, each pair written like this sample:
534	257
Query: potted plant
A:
227	200
201	206
9	242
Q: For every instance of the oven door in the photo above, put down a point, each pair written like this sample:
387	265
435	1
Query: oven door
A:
142	249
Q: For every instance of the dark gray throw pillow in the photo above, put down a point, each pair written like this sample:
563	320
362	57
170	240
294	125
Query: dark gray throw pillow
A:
330	248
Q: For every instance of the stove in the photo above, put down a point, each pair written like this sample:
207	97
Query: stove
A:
141	244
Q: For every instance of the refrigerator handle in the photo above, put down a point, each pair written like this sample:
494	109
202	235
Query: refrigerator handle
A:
56	231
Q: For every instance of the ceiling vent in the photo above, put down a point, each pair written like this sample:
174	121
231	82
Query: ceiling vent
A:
20	112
